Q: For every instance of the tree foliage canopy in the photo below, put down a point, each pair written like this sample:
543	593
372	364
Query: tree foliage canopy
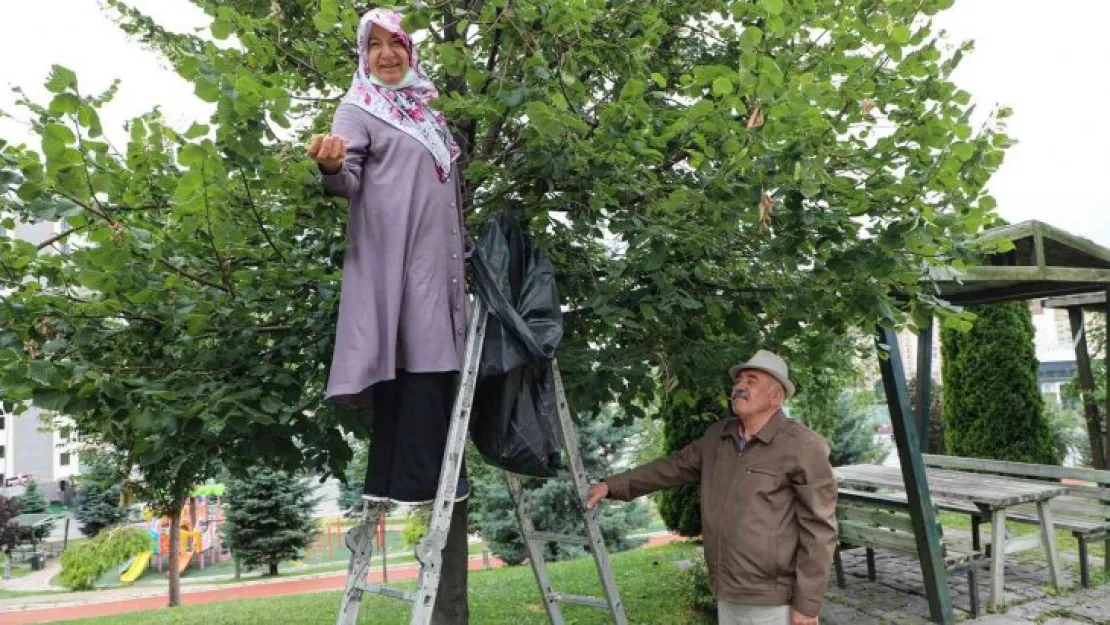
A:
707	176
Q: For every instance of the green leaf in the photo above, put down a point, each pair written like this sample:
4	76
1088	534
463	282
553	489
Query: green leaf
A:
659	79
722	86
900	34
64	104
963	151
750	39
196	131
324	21
61	79
88	118
55	139
416	20
221	29
192	155
633	89
773	7
208	89
49	399
43	372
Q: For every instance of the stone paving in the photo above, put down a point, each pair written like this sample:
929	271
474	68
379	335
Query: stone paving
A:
898	595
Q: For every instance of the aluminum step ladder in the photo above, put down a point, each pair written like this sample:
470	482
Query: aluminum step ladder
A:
429	552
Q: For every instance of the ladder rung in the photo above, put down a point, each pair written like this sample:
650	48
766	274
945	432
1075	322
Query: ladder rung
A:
552	537
387	591
592	602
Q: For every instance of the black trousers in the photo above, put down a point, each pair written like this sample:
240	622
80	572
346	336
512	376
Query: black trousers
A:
411	415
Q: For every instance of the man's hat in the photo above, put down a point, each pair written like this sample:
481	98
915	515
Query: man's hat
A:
770	364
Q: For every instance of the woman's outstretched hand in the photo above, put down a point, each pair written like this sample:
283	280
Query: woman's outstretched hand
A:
328	151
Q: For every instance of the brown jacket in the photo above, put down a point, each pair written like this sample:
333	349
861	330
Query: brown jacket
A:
768	513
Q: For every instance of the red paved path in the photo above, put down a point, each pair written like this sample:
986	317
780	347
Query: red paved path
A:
273	589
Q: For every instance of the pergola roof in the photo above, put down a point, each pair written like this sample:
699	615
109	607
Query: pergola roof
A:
1089	301
1045	262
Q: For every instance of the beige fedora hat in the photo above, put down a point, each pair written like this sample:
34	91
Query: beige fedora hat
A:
769	363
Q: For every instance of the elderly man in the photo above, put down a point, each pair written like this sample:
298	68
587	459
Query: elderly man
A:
768	500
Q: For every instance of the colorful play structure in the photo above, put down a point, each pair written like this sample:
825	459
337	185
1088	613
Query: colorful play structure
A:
200	536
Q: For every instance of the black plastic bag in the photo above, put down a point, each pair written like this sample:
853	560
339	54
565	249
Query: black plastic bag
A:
514	409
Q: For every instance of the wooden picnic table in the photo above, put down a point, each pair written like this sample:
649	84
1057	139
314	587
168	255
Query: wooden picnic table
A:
992	494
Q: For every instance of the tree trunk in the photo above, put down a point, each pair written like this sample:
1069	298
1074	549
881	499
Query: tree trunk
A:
175	546
451	600
273	569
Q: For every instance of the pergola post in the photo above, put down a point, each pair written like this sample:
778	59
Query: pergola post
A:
925	527
1087	385
1106	413
924	382
1106	366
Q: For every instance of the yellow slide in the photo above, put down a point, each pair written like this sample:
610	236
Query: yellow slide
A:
183	560
137	567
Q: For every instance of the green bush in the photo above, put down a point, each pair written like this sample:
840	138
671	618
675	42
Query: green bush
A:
416	526
680	507
83	563
992	405
699	596
853	439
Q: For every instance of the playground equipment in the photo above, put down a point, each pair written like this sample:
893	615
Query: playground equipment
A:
137	567
199	541
329	537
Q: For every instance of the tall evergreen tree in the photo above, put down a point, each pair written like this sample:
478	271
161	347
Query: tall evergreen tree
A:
34	502
98	495
350	489
269	518
992	405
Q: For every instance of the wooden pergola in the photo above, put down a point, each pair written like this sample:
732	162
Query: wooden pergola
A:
1045	262
1076	305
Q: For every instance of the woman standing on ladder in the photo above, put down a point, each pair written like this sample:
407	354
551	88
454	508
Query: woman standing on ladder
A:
402	307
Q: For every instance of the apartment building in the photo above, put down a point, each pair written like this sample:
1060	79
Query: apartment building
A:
35	444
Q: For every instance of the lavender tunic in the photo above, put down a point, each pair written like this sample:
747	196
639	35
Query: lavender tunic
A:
402	303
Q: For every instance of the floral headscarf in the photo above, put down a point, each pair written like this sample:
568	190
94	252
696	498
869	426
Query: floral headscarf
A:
405	107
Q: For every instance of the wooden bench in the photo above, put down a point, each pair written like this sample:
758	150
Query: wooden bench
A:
881	521
1084	510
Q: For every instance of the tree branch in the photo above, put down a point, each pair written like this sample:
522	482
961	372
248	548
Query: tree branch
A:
58	237
212	234
257	216
198	279
305	64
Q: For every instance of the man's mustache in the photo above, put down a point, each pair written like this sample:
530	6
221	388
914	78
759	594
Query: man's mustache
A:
742	394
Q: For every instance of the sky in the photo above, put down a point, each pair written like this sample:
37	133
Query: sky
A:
1047	62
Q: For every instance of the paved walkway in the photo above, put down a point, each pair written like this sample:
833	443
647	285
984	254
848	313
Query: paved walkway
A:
35	580
898	595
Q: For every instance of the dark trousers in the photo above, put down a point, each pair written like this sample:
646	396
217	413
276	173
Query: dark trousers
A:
411	415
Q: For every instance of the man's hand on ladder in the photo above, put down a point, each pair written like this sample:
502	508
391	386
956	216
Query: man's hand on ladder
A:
597	492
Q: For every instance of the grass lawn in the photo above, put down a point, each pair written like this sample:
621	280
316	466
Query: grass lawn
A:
651	586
